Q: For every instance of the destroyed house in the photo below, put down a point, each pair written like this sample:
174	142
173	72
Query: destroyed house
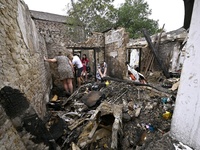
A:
115	114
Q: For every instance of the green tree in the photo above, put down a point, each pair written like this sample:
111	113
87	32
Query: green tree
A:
133	16
87	16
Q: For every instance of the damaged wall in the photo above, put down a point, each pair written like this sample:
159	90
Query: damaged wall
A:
55	32
93	45
53	28
115	52
169	51
22	68
185	122
8	133
164	53
22	50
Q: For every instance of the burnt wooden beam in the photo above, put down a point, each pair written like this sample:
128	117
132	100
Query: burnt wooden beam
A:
84	47
117	126
140	57
95	62
159	37
131	82
157	46
154	50
188	6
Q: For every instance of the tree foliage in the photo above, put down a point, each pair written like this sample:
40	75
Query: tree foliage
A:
87	16
133	16
91	15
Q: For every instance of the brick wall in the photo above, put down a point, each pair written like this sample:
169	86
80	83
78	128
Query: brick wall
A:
55	32
9	138
21	67
55	36
115	52
22	50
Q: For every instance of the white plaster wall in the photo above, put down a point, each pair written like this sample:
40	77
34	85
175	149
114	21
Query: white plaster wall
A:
134	58
186	119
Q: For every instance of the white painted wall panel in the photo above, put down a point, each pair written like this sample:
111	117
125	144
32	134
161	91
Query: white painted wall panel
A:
186	119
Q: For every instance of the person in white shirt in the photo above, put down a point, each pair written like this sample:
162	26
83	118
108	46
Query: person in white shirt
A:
78	64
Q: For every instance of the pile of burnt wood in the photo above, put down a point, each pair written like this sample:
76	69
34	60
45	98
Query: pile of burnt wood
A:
116	114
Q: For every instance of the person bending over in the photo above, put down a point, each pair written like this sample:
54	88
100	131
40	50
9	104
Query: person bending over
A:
101	71
65	70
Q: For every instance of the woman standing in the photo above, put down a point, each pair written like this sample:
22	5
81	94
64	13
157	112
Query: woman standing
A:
85	62
65	70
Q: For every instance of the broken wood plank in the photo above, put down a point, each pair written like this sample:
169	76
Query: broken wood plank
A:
150	61
96	124
157	46
116	129
102	109
93	130
83	139
55	98
75	93
154	50
159	37
76	123
131	82
75	147
96	112
149	64
159	92
137	112
120	96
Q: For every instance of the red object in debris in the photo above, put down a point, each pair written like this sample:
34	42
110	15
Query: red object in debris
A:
132	76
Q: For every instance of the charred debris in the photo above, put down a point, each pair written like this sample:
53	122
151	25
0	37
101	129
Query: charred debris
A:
115	114
133	113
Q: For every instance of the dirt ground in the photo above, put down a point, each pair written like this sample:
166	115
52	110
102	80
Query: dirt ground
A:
144	113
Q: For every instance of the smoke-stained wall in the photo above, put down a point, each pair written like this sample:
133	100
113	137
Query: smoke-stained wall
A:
115	52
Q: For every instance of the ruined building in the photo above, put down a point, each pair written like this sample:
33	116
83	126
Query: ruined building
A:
26	80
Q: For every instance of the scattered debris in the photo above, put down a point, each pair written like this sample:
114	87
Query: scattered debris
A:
55	98
115	114
181	146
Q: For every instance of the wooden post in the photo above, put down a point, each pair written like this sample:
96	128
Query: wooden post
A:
154	50
117	125
157	45
95	63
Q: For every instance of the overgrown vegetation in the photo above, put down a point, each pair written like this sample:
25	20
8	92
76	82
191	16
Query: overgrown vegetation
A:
86	16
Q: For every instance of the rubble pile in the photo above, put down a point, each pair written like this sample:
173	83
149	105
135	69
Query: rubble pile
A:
115	114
